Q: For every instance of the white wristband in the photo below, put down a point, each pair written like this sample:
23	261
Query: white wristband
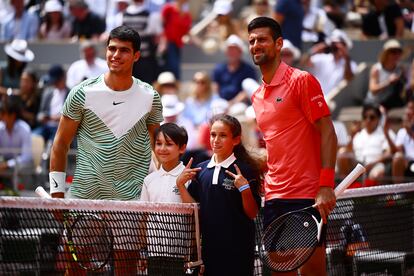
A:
57	181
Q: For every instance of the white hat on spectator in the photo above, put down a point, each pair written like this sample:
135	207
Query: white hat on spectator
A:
19	50
219	106
340	36
287	45
171	105
392	44
222	7
234	40
250	86
166	78
53	6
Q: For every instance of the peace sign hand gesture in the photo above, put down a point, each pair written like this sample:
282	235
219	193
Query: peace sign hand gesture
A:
239	179
187	174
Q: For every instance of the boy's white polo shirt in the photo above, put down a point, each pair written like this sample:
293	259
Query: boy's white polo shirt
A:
160	186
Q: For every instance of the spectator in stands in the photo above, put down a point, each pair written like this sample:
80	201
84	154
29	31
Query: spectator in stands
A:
330	62
176	19
89	66
86	24
15	143
258	8
18	55
166	84
198	104
20	24
51	103
55	26
149	27
403	160
30	97
116	19
218	30
172	109
372	146
387	77
289	53
289	14
228	75
384	20
316	24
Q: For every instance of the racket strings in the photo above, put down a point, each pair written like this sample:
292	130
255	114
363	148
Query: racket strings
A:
91	241
289	241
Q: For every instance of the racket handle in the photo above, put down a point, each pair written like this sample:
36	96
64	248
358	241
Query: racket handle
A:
349	179
40	191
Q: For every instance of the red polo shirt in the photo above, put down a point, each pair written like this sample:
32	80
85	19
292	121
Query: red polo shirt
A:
285	112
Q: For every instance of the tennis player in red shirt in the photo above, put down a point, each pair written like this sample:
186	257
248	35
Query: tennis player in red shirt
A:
300	139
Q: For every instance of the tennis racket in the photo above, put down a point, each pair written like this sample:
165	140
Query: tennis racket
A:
88	237
290	240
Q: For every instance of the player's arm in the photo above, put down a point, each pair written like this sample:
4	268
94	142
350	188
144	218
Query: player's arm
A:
151	131
325	199
65	133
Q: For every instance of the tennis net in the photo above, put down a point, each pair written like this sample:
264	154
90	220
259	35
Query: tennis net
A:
54	236
370	232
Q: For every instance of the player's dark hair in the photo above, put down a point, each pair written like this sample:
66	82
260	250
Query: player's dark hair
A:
125	33
239	150
176	133
266	22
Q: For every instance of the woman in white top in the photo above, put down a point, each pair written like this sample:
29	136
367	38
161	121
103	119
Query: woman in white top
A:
386	80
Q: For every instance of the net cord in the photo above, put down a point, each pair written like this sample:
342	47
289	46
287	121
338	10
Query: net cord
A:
96	205
377	190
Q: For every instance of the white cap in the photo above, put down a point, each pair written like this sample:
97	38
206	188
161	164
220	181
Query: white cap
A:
171	105
339	36
234	40
19	50
166	77
250	86
53	6
219	106
287	45
222	7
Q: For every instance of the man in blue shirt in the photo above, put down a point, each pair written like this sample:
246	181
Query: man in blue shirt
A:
228	76
15	143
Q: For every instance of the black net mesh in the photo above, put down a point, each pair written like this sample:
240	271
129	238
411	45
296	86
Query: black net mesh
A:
370	232
44	237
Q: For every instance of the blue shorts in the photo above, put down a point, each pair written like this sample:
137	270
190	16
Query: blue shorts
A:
277	207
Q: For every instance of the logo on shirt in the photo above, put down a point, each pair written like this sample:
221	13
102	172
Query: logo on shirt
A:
228	184
279	99
175	190
116	103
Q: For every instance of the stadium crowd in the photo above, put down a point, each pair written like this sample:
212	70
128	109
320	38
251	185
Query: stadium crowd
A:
31	103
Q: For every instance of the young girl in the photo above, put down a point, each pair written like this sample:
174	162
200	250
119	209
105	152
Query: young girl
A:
227	188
